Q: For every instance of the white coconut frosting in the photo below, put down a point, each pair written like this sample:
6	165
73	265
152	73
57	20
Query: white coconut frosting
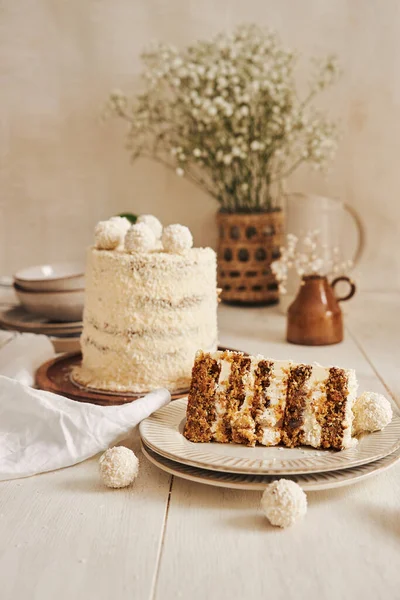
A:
118	467
283	503
372	412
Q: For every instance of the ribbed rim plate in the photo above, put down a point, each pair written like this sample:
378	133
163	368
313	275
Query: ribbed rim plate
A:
162	432
237	481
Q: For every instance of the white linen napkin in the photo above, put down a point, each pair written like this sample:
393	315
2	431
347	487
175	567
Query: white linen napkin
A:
41	431
22	353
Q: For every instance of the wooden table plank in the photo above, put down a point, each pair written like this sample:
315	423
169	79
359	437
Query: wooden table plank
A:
374	321
218	545
63	535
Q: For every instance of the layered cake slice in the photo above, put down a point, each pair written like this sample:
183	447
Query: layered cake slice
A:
252	399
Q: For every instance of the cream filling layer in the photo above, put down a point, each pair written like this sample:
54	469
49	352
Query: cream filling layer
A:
270	419
316	394
220	396
352	387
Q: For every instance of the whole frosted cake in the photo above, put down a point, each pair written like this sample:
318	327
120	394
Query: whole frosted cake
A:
151	302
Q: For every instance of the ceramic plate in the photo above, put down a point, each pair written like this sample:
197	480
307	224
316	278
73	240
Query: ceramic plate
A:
19	319
309	482
162	432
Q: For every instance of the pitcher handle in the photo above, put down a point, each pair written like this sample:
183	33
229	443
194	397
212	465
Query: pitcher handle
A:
360	230
352	287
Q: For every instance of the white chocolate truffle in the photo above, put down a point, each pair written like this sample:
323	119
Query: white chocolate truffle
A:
110	234
119	466
140	238
283	503
177	239
153	223
372	412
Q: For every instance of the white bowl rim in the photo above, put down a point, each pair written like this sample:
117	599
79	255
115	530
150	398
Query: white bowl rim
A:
76	267
22	290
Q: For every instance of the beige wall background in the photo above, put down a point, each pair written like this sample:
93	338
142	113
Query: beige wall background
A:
62	170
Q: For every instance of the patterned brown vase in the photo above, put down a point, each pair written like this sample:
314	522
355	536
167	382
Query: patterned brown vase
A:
248	244
315	318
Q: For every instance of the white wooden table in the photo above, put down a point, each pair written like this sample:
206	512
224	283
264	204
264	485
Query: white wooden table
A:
63	536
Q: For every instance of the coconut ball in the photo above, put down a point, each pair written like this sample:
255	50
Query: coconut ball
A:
123	223
153	223
140	238
110	234
372	412
284	502
177	239
119	466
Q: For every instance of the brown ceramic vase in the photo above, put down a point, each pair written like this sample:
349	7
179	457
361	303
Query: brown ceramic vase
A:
315	318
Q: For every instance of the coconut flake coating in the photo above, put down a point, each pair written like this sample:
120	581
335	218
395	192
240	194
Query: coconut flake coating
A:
140	238
283	503
177	239
110	234
119	467
372	412
146	315
152	222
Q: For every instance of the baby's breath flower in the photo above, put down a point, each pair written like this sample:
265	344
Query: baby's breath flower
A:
308	256
255	145
226	113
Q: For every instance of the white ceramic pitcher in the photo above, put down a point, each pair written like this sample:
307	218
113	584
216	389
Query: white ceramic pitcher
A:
338	224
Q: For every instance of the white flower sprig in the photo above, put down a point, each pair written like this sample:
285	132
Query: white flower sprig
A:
308	256
225	114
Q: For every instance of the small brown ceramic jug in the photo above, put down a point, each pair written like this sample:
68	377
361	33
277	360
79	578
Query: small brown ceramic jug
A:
315	318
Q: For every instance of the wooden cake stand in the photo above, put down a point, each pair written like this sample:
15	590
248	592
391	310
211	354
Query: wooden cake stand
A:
55	376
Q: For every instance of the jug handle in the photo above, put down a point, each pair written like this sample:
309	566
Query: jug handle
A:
360	230
352	287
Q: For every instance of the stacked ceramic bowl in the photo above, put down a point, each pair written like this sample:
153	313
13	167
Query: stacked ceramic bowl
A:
51	302
55	292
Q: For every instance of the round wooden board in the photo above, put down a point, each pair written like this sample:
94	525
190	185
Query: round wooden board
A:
55	376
